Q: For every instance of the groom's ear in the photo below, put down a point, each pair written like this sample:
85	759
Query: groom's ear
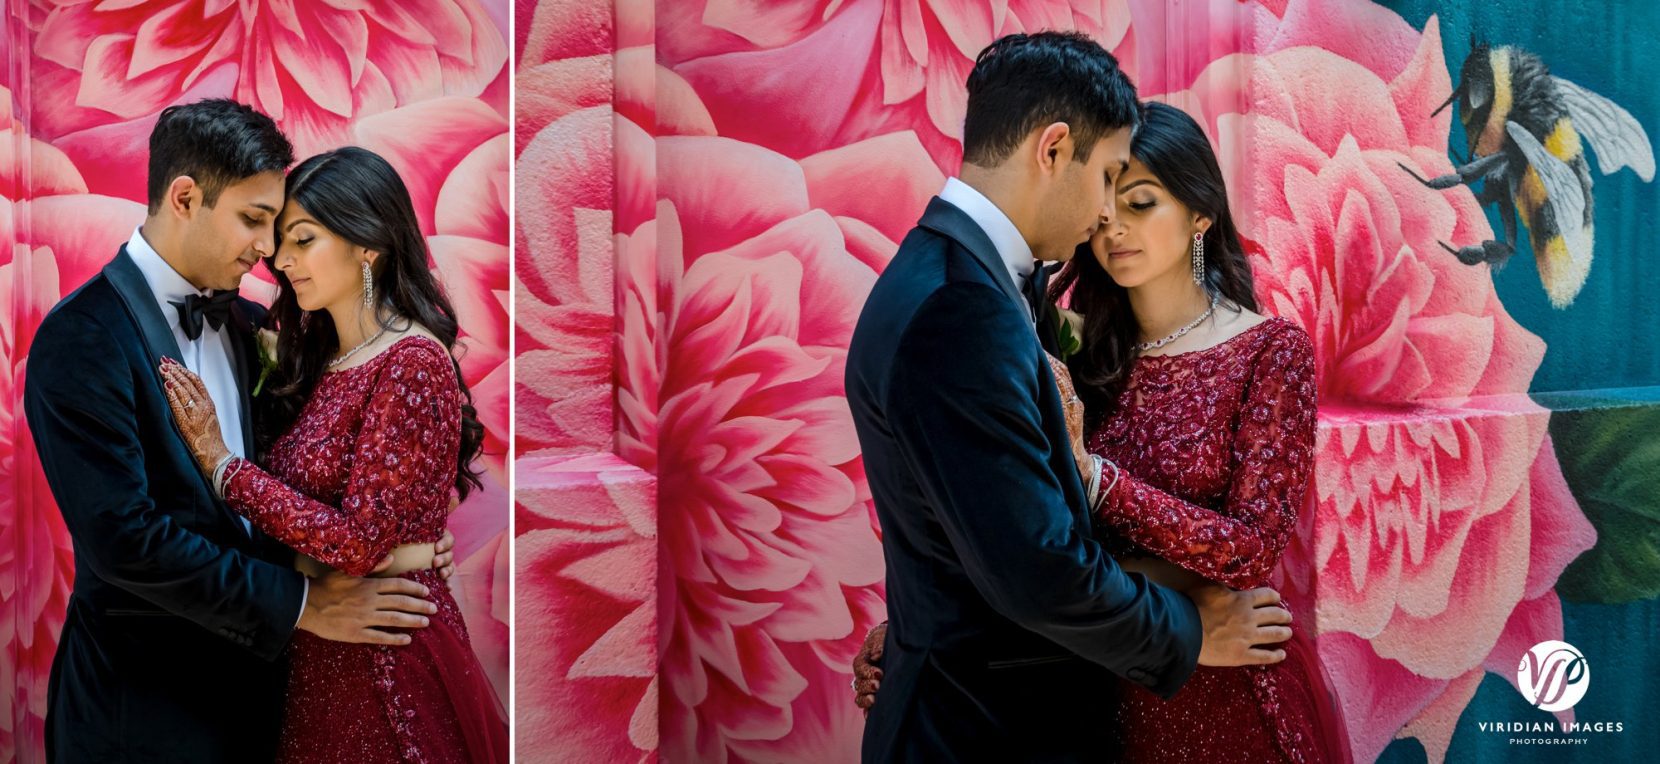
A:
1054	147
184	197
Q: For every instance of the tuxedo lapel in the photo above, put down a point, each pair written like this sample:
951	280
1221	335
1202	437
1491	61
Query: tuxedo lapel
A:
240	334
1046	317
135	293
157	333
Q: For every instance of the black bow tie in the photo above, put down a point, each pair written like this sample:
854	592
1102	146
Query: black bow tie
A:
216	308
1037	283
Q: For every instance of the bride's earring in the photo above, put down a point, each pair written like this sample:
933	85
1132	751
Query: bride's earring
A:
1199	258
368	287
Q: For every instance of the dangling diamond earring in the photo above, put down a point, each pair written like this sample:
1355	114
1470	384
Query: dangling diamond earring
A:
1199	258
368	287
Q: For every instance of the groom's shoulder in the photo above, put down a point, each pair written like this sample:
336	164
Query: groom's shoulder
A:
81	331
91	304
932	259
934	283
92	316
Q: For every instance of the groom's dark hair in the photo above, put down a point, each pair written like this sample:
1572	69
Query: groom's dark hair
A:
1022	82
217	142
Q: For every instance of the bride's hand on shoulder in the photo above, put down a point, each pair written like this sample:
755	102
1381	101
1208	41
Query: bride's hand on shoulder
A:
194	412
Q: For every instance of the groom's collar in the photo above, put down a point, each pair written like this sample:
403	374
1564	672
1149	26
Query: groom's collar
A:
949	220
163	280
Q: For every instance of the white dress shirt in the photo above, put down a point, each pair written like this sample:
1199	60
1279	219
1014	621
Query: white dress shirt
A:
1011	246
209	355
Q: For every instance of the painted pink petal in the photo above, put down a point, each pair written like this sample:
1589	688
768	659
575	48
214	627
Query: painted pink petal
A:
724	190
1534	621
767	23
737	86
1378	696
839	181
426	141
1421	88
1435	725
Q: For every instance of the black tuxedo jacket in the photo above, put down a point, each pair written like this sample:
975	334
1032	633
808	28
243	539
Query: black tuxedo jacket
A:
172	648
1007	620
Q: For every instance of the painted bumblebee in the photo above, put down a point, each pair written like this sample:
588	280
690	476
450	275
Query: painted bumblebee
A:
1525	130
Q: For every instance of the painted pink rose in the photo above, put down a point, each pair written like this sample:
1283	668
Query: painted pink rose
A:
1439	520
587	547
584	173
738	287
53	237
314	67
748	59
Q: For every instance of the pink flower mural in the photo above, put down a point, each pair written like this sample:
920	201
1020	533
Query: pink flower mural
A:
423	83
1439	520
737	273
743	231
587	578
586	549
874	66
314	67
771	561
53	236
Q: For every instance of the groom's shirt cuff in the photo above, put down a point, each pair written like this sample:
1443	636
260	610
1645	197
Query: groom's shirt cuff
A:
304	593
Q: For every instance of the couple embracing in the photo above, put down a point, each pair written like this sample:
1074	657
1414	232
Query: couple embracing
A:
1080	517
261	578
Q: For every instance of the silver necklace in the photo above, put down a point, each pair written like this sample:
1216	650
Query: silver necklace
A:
1156	344
353	351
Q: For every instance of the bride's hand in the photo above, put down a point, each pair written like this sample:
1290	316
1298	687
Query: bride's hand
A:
1074	408
193	410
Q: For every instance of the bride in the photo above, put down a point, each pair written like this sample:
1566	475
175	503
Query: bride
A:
368	431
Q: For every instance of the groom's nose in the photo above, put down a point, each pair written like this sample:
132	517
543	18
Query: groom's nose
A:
264	244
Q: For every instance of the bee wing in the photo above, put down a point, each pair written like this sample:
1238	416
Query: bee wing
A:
1615	135
1563	193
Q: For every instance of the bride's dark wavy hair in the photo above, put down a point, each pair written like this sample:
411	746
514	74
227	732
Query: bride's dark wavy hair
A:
358	196
1175	150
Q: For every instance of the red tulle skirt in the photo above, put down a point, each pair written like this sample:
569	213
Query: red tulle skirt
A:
1284	712
429	701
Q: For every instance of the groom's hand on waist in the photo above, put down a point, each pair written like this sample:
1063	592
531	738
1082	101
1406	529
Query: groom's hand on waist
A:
1241	628
372	611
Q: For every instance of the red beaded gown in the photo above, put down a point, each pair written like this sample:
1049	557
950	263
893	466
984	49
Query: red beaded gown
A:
367	466
1216	450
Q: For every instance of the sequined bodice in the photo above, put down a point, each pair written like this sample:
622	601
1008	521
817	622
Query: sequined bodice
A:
368	464
1216	447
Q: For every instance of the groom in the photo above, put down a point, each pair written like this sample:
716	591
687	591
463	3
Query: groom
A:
1008	619
173	644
